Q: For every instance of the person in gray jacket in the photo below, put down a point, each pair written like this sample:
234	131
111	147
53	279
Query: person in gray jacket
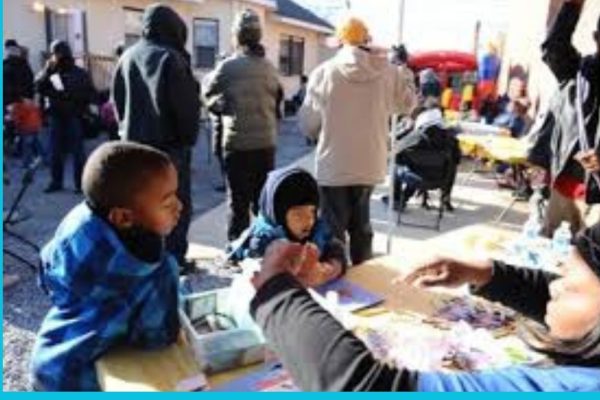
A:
243	90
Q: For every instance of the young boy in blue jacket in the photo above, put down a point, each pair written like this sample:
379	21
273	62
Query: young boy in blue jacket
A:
106	271
289	210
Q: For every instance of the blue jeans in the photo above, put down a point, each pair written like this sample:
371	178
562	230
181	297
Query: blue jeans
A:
66	137
407	181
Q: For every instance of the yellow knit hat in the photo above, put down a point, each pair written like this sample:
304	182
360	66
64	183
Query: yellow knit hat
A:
352	31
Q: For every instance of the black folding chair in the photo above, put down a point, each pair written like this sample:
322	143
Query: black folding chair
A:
11	218
434	168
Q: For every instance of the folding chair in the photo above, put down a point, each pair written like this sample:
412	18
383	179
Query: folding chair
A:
434	169
11	219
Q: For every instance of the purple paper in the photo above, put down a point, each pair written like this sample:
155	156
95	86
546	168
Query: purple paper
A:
351	297
271	378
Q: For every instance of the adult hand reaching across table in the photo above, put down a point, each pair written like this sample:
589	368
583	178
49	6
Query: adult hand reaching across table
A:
449	272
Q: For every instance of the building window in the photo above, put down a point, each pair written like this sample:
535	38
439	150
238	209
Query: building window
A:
133	25
68	25
206	42
291	55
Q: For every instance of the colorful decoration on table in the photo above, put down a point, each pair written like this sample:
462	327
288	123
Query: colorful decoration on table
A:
460	348
477	314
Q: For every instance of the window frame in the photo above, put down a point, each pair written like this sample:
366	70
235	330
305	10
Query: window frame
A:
127	34
217	24
290	64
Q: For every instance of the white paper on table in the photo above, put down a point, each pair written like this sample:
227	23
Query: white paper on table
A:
57	82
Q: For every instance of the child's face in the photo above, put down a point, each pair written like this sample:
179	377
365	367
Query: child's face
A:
574	307
300	221
157	208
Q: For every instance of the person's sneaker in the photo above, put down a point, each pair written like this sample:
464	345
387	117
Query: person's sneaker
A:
53	188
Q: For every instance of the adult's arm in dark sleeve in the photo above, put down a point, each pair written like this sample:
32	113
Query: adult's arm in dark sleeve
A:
29	89
42	83
522	289
183	96
83	95
558	50
118	92
318	352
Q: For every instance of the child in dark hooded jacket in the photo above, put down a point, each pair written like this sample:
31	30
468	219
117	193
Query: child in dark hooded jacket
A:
289	210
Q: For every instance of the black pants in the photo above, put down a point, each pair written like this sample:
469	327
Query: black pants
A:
347	210
177	241
246	173
66	137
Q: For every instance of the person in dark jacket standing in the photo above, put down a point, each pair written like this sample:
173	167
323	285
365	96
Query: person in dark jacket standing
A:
18	82
569	133
321	355
158	103
244	91
68	91
17	74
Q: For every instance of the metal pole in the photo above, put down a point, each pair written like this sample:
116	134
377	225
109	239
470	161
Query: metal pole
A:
392	175
401	13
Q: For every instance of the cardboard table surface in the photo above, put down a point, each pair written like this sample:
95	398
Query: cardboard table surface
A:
135	370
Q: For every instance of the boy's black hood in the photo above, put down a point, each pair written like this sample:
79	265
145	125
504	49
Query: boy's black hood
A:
164	26
300	188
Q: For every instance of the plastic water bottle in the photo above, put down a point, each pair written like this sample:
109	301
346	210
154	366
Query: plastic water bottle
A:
561	241
528	243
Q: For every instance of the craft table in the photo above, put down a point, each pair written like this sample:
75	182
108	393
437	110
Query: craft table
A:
494	148
162	370
501	149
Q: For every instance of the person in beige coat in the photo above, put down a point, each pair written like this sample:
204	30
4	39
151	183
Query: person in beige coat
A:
348	106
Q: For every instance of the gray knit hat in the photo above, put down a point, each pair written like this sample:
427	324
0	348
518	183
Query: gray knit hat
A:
247	28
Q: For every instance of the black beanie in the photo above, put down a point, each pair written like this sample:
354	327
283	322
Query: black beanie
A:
588	245
298	189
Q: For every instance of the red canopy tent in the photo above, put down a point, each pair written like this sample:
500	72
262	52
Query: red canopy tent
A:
443	61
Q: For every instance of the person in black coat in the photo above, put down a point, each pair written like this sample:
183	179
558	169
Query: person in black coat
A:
18	82
157	100
68	91
429	152
17	74
321	355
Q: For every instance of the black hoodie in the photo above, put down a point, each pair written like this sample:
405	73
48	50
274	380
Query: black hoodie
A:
78	90
156	96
